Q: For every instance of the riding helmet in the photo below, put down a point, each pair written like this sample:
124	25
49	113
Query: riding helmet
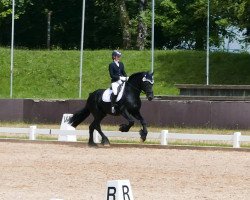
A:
116	53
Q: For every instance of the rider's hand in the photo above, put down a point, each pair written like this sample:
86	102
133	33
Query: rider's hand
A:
123	78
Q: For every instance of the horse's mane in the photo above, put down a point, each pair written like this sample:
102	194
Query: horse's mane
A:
136	74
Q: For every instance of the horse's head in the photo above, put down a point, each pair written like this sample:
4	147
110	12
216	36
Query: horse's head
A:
147	85
142	81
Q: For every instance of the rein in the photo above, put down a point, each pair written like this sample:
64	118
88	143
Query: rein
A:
135	88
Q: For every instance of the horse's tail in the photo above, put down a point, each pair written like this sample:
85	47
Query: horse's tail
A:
79	117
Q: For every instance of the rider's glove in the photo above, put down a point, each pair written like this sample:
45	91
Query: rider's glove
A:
123	78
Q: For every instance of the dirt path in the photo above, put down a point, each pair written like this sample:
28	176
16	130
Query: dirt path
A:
31	171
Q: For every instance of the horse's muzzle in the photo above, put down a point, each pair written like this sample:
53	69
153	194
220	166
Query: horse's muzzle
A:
150	96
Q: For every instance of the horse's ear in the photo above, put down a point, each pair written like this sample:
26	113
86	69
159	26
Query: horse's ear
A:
152	73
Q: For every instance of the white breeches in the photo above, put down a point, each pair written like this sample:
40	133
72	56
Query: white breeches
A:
115	86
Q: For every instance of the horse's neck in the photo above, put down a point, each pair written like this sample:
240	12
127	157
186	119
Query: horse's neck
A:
133	88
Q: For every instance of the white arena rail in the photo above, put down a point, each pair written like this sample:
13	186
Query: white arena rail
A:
164	136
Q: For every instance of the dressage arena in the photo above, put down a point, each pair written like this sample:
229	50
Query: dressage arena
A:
47	170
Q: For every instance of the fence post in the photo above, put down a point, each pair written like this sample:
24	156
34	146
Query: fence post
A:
236	142
32	133
164	140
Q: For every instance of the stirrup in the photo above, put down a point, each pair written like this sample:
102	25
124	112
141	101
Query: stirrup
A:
113	109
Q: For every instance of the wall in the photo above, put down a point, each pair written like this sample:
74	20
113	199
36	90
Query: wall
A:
181	113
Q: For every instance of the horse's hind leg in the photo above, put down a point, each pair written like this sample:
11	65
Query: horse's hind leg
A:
91	132
96	125
105	140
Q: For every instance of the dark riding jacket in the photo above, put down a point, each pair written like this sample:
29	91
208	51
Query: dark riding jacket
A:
115	71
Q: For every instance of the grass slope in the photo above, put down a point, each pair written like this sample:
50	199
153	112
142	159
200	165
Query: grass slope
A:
55	74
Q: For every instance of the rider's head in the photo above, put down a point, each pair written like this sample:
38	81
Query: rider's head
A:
116	55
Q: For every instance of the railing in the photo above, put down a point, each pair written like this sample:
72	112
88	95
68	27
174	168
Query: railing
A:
235	139
164	136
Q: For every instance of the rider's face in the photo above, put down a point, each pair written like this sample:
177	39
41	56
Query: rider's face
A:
117	58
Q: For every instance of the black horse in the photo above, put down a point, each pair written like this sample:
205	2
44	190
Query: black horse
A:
129	107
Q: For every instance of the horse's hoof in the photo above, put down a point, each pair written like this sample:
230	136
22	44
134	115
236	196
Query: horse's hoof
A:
105	142
142	140
143	135
92	144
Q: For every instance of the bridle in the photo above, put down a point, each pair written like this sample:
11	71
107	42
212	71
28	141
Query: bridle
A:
144	79
148	80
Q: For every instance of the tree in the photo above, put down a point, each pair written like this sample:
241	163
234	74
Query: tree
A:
142	27
123	23
5	17
6	8
241	10
183	24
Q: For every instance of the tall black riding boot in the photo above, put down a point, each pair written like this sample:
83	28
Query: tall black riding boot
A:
113	99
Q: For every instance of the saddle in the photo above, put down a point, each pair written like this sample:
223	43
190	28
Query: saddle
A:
107	93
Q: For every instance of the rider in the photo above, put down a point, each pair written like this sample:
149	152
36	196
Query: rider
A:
117	74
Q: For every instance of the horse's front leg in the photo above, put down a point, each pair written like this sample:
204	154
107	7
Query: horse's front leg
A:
144	130
127	116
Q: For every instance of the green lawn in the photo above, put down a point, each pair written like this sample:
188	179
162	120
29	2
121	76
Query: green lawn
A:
42	74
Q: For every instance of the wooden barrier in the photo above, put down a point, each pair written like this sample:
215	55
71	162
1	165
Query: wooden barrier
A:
214	90
161	112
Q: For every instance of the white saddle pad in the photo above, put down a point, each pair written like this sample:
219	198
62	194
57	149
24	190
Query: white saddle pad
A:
108	92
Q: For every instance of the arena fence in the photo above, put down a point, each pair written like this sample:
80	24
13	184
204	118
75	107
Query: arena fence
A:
163	137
